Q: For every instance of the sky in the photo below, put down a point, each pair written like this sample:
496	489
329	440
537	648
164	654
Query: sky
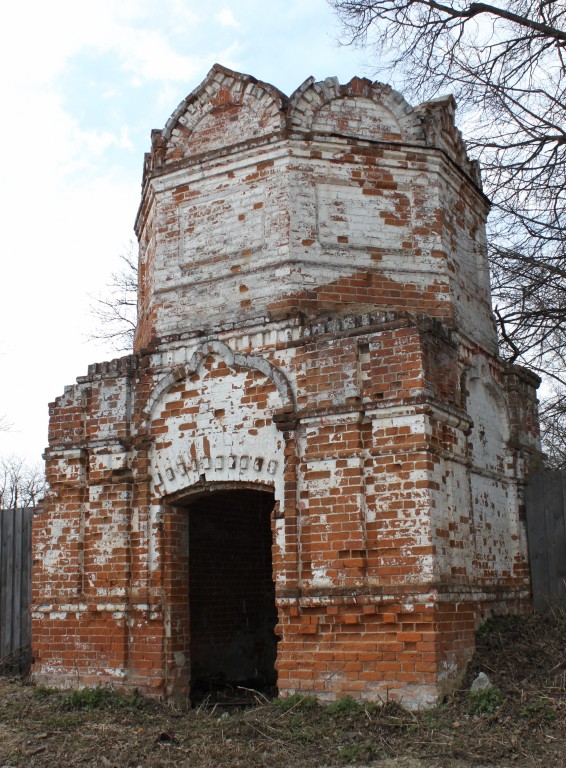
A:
83	84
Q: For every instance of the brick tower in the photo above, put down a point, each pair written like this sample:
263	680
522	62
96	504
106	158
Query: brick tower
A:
309	472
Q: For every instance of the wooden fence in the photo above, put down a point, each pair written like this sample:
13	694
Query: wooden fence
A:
545	500
15	589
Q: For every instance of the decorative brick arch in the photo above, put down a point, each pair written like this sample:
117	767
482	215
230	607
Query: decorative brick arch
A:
312	107
232	359
226	108
256	458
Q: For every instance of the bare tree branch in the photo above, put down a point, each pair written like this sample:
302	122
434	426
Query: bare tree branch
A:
116	310
21	484
505	65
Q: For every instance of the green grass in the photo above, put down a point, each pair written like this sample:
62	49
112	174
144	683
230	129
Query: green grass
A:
63	721
346	706
359	752
42	692
485	702
296	701
539	711
431	717
101	698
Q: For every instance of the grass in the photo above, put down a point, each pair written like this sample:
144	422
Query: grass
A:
539	710
62	722
296	701
485	702
42	692
359	752
101	698
346	706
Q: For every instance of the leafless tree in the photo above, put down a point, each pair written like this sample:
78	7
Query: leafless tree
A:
505	64
21	484
115	311
552	411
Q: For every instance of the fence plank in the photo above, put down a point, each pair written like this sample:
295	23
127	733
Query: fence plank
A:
560	555
6	588
25	594
545	499
16	578
536	531
15	588
2	577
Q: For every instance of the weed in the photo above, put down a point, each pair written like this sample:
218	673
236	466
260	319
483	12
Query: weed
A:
346	706
538	710
499	624
101	698
485	702
360	752
89	698
296	701
306	736
42	692
15	759
14	707
62	722
431	717
297	719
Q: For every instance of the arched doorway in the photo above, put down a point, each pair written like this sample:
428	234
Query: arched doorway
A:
232	614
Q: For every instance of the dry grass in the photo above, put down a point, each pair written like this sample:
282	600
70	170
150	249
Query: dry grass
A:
520	722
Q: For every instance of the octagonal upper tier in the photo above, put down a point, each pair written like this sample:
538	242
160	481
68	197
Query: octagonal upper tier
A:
339	199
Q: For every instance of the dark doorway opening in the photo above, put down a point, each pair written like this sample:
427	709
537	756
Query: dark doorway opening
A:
233	645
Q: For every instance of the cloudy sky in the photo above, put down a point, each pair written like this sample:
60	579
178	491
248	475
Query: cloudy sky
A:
83	84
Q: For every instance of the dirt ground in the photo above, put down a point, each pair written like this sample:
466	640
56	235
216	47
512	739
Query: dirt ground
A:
520	721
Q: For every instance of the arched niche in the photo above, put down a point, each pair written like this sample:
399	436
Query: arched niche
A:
487	407
361	109
493	491
227	108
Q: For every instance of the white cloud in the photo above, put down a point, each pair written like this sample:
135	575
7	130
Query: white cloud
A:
226	18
